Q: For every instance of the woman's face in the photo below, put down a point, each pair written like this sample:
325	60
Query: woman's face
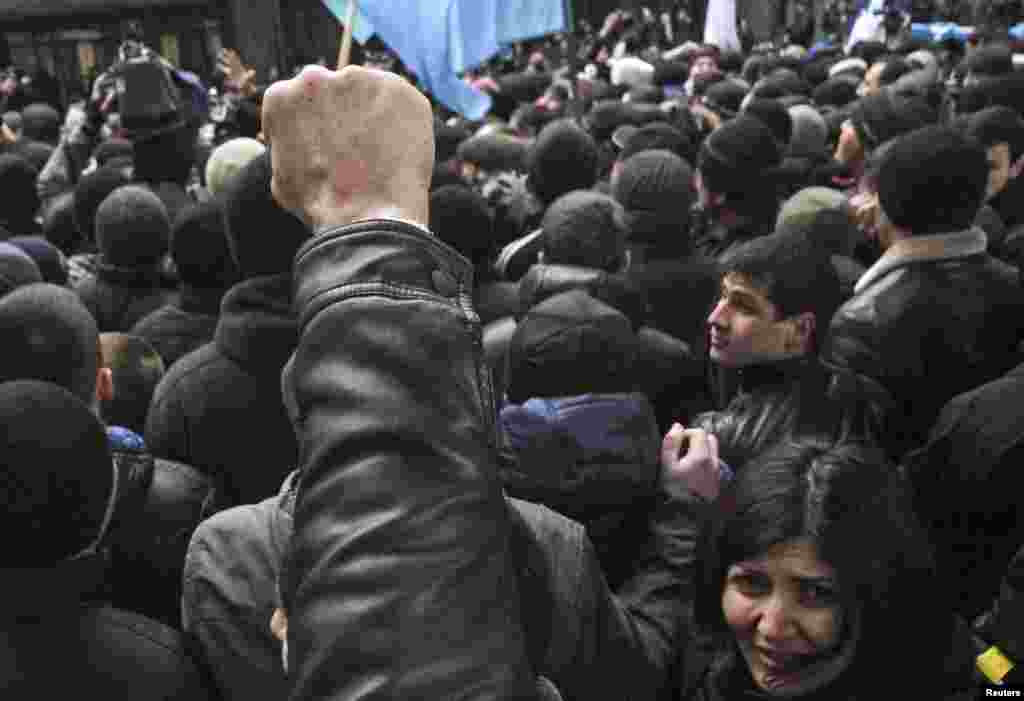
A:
783	607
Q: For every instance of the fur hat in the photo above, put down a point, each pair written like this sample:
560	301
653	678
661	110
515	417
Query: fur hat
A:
199	248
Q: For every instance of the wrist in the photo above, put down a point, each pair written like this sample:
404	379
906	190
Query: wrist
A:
322	219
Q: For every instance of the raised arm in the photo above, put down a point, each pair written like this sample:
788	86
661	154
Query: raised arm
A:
399	585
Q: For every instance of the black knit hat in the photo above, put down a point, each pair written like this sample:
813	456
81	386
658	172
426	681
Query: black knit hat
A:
998	125
199	248
671	73
111	149
836	92
494	152
20	198
36	153
737	157
656	190
90	192
447	140
585	228
59	224
658	136
133	229
16	268
50	336
40	122
775	116
933	180
460	217
991	60
725	98
57	477
883	116
263	236
564	158
568	345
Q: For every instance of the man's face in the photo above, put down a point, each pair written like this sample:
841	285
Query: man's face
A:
999	165
704	65
746	328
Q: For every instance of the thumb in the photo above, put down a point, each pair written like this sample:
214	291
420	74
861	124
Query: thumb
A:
671	445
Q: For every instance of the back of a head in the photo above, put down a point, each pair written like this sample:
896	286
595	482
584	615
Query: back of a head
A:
133	229
775	116
57	478
998	125
810	132
136	369
37	153
568	345
90	192
795	274
563	158
166	157
41	122
227	160
460	217
656	190
20	198
884	116
801	214
659	136
199	248
586	229
739	159
17	268
50	336
991	60
932	181
251	213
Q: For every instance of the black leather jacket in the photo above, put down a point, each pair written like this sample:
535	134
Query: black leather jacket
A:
796	398
400	504
402	581
934	319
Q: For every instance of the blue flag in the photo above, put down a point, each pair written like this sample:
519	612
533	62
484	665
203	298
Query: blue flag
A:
438	39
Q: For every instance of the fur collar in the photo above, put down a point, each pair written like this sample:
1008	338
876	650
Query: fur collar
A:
920	249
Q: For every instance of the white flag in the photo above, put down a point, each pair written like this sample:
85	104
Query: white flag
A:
720	27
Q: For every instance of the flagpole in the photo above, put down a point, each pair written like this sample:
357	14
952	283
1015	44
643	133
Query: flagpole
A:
345	52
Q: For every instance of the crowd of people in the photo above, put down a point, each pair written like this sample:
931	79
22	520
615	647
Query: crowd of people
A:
685	374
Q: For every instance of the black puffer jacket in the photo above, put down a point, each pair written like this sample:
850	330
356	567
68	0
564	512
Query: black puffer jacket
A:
400	497
160	504
60	637
220	408
934	317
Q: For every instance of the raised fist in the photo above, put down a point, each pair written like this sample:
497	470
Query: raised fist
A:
349	145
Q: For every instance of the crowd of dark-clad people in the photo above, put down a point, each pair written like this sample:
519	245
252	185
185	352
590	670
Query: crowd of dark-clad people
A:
687	373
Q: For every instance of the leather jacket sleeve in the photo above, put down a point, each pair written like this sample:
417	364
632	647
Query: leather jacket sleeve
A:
399	583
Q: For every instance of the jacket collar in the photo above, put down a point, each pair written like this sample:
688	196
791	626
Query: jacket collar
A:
128	277
924	249
257	328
